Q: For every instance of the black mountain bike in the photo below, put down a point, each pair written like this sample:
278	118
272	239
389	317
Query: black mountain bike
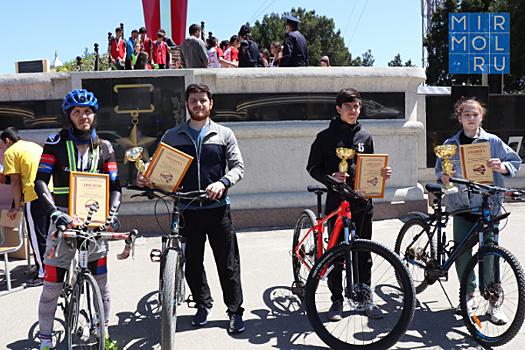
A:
391	288
171	258
423	246
82	303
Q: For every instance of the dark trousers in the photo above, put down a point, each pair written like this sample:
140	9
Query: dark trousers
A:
38	226
217	225
127	64
363	223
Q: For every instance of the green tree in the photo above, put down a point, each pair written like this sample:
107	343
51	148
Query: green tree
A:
515	81
318	31
398	62
367	60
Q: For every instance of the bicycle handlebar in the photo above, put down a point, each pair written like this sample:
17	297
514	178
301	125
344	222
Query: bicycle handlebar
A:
342	188
471	185
199	195
128	237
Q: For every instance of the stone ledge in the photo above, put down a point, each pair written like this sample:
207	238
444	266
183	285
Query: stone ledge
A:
270	218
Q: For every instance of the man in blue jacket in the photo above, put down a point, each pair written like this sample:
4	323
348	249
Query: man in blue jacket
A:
295	50
217	166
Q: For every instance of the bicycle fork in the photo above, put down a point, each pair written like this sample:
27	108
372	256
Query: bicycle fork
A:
352	269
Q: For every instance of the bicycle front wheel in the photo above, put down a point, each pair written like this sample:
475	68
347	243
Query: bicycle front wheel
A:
391	290
169	300
416	248
85	320
495	317
307	250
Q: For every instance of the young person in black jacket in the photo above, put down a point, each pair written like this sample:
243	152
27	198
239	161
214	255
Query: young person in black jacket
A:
345	131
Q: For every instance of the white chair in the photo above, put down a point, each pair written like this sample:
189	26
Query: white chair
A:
5	249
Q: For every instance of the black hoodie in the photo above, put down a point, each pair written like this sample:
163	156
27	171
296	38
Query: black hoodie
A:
323	160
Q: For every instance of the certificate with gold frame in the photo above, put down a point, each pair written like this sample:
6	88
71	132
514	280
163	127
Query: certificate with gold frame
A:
474	158
368	176
167	167
84	190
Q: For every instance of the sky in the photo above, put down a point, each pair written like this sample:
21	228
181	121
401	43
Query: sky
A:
37	28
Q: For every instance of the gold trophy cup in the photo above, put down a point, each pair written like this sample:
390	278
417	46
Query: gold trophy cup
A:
344	154
136	154
446	152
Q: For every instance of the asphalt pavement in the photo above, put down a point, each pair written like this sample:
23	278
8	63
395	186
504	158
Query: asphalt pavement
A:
274	318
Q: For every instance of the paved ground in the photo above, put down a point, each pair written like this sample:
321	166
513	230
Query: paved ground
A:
274	318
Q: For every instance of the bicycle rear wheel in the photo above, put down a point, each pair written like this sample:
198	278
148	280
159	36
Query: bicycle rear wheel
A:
85	327
308	249
416	249
392	290
169	298
504	281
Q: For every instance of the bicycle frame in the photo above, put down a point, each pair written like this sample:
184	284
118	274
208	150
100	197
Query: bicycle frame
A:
344	217
484	225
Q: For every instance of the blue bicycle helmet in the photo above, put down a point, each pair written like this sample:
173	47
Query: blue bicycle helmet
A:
79	98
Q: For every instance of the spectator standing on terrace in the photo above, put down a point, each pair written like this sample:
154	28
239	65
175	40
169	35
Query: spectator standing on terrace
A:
215	55
249	55
193	52
160	51
146	44
325	61
117	50
224	45
232	53
266	57
171	46
295	51
275	49
130	44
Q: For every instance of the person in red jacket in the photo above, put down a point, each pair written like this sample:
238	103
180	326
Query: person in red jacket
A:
117	50
160	51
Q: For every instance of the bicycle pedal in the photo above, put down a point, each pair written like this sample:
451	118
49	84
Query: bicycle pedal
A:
189	301
155	255
298	289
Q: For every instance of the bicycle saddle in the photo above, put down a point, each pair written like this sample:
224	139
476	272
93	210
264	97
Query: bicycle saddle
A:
434	189
317	189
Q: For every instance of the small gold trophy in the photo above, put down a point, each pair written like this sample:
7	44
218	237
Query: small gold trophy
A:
344	154
136	154
446	152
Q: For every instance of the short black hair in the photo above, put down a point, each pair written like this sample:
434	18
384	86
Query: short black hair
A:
233	38
224	44
194	88
142	30
212	41
162	31
134	31
347	95
118	29
194	28
11	133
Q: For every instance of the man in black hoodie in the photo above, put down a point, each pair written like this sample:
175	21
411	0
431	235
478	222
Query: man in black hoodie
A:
193	53
345	131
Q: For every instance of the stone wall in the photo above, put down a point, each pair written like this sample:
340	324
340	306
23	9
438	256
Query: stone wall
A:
273	190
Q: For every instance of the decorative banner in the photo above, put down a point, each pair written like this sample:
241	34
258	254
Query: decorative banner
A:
479	43
169	15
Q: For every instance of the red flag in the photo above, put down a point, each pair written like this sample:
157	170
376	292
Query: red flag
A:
169	15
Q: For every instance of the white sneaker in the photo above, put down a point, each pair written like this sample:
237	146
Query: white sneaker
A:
497	316
472	304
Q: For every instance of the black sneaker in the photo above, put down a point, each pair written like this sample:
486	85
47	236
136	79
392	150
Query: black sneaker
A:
236	324
35	282
201	317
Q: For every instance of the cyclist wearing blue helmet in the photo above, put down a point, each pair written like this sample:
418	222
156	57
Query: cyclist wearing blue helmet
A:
75	148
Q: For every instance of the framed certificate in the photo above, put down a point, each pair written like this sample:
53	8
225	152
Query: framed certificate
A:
368	177
84	190
167	167
474	159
